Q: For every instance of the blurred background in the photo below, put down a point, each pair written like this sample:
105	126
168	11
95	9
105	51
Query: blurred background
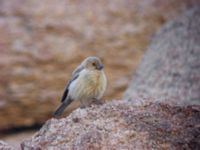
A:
42	41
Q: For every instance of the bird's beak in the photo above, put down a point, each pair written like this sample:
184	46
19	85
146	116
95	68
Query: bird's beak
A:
100	67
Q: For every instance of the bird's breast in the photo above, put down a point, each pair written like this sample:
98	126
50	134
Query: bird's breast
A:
90	84
95	81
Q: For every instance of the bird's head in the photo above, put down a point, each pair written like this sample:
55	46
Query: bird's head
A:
93	63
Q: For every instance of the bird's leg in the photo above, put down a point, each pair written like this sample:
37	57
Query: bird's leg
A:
88	103
83	105
97	101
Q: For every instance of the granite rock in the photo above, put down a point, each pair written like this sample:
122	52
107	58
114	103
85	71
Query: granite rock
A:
42	41
121	125
170	69
5	146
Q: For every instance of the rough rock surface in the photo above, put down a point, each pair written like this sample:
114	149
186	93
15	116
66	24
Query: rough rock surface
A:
41	41
170	70
122	125
5	146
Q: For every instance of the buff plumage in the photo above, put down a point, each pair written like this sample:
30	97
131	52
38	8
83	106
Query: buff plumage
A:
88	84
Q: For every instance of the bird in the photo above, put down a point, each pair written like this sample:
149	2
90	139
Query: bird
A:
87	84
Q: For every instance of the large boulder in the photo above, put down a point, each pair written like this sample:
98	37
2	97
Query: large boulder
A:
42	41
170	69
121	125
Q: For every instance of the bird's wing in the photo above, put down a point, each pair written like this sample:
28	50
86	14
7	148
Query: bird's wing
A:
75	75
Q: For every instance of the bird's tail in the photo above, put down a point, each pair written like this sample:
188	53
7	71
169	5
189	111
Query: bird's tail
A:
61	108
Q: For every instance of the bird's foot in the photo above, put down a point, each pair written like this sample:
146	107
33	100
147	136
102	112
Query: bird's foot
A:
82	106
97	102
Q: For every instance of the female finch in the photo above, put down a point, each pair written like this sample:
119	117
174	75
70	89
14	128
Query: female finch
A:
88	84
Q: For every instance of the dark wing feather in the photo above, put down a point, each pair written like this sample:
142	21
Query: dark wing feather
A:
65	94
67	88
75	75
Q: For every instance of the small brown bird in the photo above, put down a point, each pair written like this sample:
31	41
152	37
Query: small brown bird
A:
88	84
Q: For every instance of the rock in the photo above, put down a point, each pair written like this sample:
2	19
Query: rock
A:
5	146
170	70
14	138
121	125
41	43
